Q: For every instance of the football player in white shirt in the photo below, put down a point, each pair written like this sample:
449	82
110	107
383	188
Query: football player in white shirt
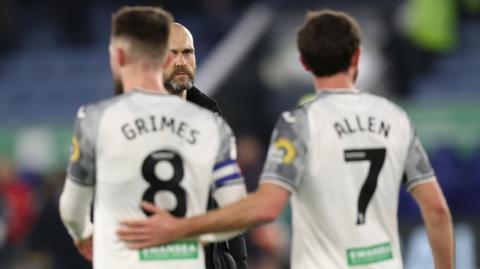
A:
341	158
145	145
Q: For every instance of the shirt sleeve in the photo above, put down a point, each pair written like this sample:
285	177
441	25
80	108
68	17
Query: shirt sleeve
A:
417	165
75	207
287	152
77	194
226	172
81	167
228	183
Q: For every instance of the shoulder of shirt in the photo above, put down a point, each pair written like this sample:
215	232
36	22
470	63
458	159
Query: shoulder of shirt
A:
302	108
100	106
296	114
318	100
387	102
315	100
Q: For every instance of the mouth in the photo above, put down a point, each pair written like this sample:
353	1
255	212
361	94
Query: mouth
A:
182	74
181	71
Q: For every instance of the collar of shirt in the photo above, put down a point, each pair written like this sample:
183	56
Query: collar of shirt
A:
337	91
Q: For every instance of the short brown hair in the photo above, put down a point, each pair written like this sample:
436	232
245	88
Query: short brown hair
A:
147	26
327	41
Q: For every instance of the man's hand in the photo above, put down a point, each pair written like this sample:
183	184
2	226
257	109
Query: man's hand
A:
159	228
85	247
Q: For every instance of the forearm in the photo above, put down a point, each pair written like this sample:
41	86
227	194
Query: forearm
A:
260	207
75	209
440	234
235	217
223	197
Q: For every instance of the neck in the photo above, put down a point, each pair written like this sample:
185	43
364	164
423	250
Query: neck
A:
182	94
143	78
339	81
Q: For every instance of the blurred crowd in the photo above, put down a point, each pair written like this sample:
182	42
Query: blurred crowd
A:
31	232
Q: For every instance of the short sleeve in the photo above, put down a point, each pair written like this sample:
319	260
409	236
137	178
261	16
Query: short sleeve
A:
287	152
417	165
81	167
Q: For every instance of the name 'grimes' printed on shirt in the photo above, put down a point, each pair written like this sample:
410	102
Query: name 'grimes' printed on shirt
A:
357	124
155	123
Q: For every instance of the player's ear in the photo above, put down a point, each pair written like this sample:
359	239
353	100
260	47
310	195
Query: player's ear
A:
121	56
168	60
304	64
355	58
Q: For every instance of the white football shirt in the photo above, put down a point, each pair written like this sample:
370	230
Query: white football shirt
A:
343	157
153	147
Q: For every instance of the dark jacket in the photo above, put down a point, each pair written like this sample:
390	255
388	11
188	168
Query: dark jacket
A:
223	255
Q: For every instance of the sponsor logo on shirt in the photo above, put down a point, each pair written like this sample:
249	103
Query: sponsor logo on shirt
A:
74	150
370	254
286	146
177	250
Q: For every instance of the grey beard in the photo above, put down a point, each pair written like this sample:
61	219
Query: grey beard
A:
175	88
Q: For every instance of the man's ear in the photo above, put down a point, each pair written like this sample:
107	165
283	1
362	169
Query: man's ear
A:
355	58
168	60
120	56
304	64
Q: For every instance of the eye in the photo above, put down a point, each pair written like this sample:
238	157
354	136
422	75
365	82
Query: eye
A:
188	51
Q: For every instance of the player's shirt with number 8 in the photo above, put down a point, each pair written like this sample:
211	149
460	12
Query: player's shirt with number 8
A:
343	156
153	147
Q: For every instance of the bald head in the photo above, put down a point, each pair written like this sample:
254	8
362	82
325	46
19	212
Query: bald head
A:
180	75
181	34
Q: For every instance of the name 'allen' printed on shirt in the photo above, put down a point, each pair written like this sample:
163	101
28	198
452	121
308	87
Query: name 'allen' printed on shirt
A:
155	123
370	124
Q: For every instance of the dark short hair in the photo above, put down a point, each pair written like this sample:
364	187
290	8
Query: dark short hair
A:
147	26
327	41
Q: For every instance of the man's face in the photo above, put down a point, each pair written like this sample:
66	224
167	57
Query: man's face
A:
179	76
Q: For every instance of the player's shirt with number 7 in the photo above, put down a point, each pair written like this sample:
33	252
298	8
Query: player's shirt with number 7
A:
343	156
153	147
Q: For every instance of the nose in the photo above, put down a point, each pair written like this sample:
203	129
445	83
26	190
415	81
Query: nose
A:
180	61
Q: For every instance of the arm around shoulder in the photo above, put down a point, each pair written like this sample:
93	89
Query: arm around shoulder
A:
260	207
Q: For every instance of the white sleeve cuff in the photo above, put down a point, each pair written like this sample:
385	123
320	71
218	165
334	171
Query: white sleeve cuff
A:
75	203
411	185
216	237
229	194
